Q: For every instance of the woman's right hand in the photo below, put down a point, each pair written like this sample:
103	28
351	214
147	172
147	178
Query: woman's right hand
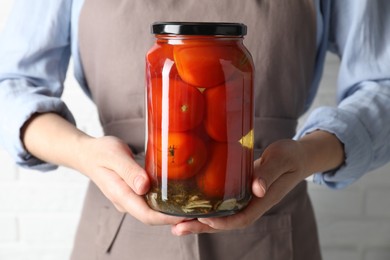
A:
107	161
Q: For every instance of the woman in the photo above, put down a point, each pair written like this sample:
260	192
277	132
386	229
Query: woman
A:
108	39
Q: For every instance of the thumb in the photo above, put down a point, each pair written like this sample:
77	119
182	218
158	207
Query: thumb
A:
266	172
136	177
131	172
259	186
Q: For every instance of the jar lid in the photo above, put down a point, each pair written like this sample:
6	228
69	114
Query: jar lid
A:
199	28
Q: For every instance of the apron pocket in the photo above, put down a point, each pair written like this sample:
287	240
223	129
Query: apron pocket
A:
270	237
126	238
135	240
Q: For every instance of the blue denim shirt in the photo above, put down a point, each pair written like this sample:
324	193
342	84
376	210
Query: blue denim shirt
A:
41	36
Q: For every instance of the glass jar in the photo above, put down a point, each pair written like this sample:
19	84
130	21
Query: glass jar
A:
199	101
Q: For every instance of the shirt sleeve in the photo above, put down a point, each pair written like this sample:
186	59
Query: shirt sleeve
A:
360	36
34	57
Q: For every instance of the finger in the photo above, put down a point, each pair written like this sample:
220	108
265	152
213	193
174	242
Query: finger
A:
256	208
191	227
273	164
139	209
259	185
266	172
126	200
240	220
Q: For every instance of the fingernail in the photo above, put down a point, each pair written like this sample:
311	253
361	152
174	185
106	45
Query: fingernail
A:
184	233
262	186
205	221
180	233
138	183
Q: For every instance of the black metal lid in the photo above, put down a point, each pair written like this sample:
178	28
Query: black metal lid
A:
199	28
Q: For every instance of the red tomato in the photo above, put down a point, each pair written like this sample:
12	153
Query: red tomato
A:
229	110
222	175
180	157
180	109
158	57
204	65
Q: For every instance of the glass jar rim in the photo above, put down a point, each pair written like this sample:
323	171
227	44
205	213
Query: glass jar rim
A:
199	28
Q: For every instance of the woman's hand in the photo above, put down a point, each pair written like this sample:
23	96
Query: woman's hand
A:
281	167
107	161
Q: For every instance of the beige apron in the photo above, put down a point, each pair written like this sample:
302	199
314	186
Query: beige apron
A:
114	38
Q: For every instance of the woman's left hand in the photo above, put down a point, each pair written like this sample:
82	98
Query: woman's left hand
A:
282	166
279	170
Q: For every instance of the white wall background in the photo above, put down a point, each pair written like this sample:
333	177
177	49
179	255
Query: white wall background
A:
39	211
